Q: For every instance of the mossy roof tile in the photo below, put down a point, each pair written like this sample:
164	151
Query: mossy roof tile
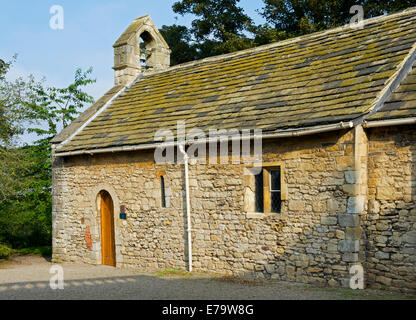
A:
402	103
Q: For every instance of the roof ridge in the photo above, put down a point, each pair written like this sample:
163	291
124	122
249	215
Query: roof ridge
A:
284	42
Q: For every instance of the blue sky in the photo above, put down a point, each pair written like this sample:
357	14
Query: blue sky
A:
90	29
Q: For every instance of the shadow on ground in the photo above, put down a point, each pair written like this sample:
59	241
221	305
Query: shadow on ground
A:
184	287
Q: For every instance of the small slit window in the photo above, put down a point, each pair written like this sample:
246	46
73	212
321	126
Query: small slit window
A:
259	192
163	191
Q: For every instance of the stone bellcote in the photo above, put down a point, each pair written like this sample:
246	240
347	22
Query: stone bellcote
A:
141	48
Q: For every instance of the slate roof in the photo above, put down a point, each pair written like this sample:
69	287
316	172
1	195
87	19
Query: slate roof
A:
77	123
402	103
319	79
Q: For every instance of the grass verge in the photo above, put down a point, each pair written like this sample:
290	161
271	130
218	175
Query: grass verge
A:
39	251
7	252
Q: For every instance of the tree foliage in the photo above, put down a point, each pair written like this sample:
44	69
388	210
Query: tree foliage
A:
222	26
13	95
58	107
179	39
216	19
26	206
25	172
290	18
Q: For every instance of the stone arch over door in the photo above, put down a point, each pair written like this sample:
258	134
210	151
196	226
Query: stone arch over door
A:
95	222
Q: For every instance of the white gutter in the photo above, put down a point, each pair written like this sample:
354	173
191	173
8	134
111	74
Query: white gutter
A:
274	135
188	204
386	123
304	132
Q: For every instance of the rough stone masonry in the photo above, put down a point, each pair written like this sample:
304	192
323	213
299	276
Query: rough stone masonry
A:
350	199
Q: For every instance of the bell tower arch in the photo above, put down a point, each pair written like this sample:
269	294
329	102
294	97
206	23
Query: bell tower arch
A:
141	48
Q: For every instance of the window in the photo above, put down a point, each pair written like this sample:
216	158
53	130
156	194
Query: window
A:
259	192
162	184
275	191
268	194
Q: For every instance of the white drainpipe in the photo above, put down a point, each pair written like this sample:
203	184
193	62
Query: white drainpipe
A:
188	204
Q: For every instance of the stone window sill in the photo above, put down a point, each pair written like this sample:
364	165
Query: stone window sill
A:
261	215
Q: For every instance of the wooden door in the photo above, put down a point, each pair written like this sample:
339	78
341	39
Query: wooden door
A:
108	246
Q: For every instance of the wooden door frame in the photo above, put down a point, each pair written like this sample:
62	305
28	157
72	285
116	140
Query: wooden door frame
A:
113	260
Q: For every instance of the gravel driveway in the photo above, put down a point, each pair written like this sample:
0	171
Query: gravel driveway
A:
28	278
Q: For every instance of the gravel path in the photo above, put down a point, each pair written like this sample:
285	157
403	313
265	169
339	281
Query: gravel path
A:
28	278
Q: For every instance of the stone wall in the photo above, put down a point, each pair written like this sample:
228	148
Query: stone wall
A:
391	222
317	237
151	237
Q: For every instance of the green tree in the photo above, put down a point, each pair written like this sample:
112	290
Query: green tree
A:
25	211
179	39
58	107
220	26
215	18
2	68
25	172
289	18
13	95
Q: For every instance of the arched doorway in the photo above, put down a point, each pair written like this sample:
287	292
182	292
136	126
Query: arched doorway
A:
108	246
